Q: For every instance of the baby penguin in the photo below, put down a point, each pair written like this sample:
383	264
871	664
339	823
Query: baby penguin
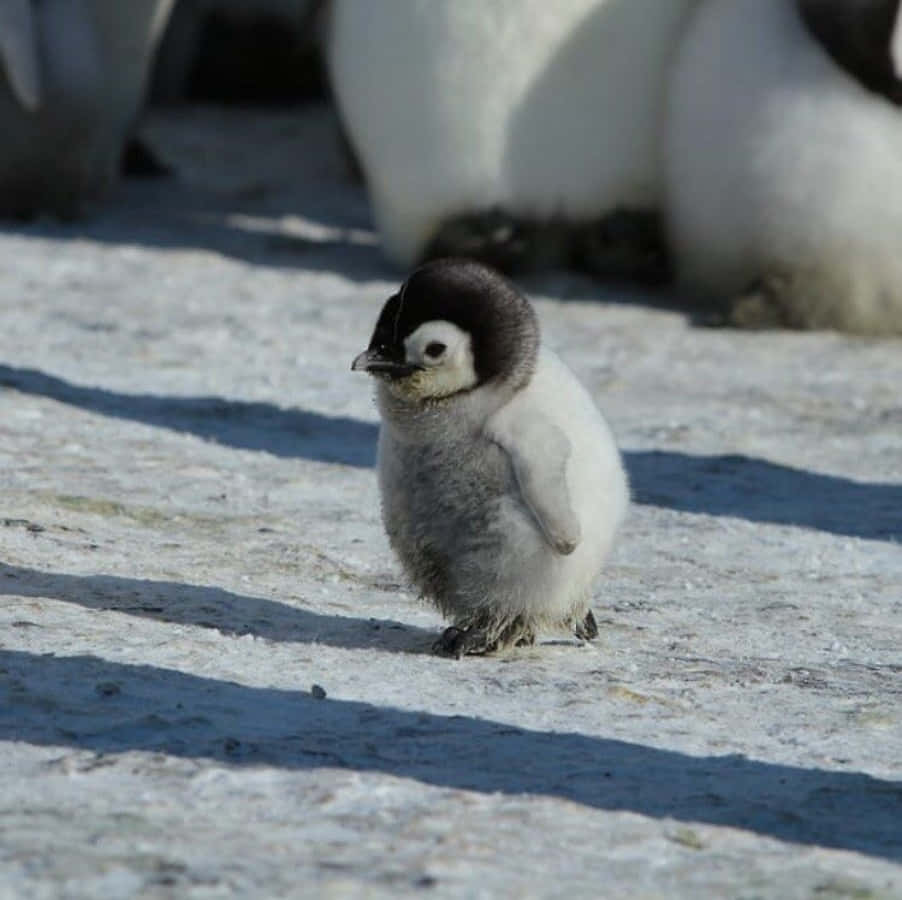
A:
502	487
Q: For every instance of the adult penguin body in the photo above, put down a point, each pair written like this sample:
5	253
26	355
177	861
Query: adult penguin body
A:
784	161
512	110
72	81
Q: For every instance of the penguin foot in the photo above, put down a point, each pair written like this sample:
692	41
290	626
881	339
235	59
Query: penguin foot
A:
458	642
772	301
816	297
625	245
500	240
517	634
483	636
759	306
587	630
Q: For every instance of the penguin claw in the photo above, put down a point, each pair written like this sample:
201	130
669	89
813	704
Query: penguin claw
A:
458	642
479	639
587	630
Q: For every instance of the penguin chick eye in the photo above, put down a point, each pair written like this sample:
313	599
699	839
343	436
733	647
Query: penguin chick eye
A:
435	349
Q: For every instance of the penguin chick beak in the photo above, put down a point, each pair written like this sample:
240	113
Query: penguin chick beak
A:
373	362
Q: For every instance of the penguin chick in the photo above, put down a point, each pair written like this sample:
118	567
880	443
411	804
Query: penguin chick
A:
502	487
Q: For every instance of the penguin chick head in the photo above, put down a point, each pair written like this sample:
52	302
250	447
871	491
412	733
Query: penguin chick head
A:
454	326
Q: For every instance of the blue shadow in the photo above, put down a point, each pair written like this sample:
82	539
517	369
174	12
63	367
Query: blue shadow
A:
212	607
92	704
722	485
761	491
234	423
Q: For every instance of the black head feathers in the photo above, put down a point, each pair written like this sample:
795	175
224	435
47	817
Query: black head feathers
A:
503	329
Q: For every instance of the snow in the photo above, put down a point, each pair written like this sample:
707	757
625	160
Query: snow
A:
191	556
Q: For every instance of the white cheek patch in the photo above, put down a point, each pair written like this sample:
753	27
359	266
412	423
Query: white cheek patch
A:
452	371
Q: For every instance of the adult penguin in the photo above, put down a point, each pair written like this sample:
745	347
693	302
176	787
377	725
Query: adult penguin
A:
784	162
75	73
503	129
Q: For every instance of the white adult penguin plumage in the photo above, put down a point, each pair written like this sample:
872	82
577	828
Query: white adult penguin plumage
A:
75	73
502	487
784	161
543	111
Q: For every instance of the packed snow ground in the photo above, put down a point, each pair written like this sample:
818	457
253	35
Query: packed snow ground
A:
213	682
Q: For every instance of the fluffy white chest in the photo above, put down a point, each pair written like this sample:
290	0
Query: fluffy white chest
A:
472	531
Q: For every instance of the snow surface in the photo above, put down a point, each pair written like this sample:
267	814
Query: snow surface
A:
214	684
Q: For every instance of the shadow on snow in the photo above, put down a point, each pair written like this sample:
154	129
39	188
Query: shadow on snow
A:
92	704
241	424
211	607
169	214
761	491
722	485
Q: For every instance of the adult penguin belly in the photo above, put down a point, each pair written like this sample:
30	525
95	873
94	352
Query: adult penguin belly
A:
490	127
784	163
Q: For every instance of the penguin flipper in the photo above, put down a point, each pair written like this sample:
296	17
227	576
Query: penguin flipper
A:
19	52
539	451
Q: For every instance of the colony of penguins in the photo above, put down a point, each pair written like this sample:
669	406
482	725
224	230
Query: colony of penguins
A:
748	151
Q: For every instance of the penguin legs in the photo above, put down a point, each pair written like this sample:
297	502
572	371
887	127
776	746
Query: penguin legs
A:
458	642
765	303
508	243
624	245
483	635
844	299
